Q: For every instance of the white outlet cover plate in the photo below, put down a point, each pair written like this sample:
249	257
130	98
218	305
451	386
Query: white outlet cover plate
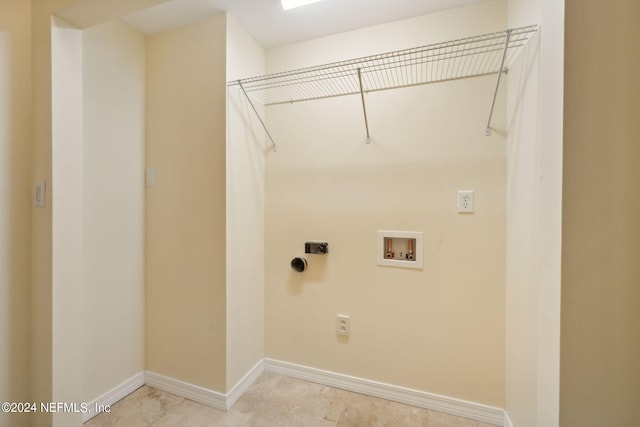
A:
465	201
343	325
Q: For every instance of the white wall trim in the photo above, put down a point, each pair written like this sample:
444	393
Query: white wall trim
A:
449	405
188	391
243	385
204	395
421	399
507	420
120	391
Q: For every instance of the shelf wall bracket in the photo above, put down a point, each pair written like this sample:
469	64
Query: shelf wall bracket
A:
258	116
487	131
364	106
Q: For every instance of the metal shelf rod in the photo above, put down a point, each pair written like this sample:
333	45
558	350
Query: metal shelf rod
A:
258	115
487	131
364	107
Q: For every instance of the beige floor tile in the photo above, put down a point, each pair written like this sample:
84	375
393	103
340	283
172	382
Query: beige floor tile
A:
143	407
363	410
274	401
440	419
288	400
191	414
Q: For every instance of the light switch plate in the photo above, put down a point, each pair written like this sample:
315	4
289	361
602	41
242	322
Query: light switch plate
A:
151	177
39	194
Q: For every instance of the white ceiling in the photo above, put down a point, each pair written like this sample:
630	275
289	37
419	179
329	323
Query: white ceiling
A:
271	26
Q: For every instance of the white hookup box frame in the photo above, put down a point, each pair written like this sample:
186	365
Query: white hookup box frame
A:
400	249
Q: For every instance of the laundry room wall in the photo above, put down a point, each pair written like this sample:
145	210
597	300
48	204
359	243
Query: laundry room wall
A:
185	211
246	148
438	329
114	85
16	152
599	370
534	216
67	216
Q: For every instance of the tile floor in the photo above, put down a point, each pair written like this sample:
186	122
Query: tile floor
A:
273	401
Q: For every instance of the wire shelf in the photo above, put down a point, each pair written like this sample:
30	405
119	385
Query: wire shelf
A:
458	59
482	55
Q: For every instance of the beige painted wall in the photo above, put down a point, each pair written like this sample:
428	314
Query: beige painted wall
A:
113	201
41	291
245	210
440	329
42	369
534	197
600	373
97	164
15	204
185	216
67	217
576	309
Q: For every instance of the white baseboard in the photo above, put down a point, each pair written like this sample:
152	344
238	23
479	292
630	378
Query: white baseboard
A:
421	399
123	389
187	390
507	420
245	382
449	405
204	395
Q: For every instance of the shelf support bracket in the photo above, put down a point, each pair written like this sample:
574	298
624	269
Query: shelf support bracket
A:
487	131
258	116
364	107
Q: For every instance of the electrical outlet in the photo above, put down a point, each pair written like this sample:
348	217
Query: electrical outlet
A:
465	201
343	325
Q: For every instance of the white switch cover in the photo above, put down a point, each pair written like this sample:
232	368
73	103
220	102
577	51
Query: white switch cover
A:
465	201
151	177
39	194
